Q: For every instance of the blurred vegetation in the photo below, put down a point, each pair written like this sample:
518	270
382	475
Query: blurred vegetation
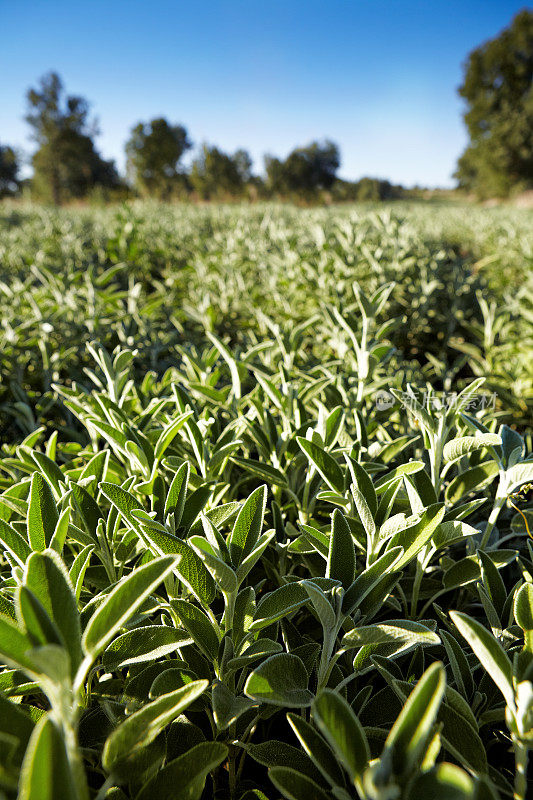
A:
156	276
66	164
498	90
498	162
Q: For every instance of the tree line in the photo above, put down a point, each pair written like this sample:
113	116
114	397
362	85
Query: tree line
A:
497	89
67	166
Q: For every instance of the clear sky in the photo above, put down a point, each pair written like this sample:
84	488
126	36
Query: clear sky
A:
379	77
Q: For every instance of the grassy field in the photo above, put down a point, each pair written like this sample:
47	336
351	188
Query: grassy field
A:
252	457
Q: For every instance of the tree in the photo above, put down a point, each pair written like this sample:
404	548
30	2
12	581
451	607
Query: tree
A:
66	163
217	174
154	151
9	170
305	170
498	89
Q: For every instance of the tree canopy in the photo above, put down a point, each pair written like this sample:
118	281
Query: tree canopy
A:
498	89
216	174
9	170
66	164
154	151
305	170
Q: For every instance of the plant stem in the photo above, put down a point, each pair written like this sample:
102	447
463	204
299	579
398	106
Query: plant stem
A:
325	657
229	610
104	787
493	516
416	587
520	780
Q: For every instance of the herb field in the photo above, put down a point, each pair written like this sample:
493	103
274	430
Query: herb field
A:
266	503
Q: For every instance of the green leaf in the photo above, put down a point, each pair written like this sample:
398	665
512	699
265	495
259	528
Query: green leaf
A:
78	569
122	602
460	447
42	513
459	664
243	614
34	619
199	626
452	531
324	463
188	566
367	580
15	544
280	754
459	732
343	731
493	581
123	501
318	749
411	732
14	644
519	474
281	680
143	644
278	604
88	508
322	606
230	361
468	569
170	679
248	524
445	782
175	502
394	631
295	786
188	772
475	478
61	530
417	536
523	613
224	575
257	650
53	661
142	727
46	576
266	472
341	555
46	773
363	482
250	561
364	512
511	442
218	516
226	707
50	469
15	722
489	652
168	433
383	483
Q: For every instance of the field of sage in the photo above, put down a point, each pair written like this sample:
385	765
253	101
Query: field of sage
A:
266	503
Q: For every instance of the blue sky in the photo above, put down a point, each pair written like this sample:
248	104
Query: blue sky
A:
379	77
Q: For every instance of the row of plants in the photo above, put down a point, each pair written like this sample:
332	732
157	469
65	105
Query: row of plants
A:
157	278
279	560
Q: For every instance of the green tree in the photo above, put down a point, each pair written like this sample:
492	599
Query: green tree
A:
154	151
216	174
305	170
498	89
66	163
9	170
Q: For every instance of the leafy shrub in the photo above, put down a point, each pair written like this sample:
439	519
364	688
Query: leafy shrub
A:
228	556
